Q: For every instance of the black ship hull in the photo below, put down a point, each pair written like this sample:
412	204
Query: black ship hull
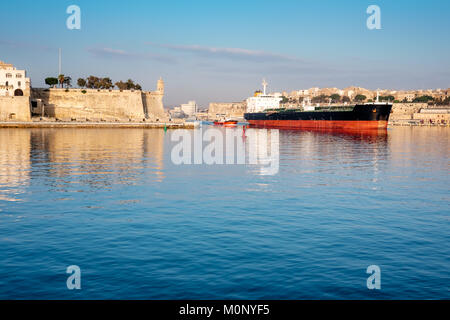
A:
362	116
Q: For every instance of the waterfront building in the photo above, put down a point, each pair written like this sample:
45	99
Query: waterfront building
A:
405	96
13	82
190	108
314	91
176	113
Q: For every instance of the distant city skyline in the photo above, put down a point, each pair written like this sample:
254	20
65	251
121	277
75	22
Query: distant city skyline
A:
220	51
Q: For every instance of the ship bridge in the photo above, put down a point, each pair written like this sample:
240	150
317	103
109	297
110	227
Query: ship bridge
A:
263	101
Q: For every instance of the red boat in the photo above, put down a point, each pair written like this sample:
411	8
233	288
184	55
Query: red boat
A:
225	122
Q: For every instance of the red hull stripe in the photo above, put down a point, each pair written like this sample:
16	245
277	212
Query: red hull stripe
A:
316	124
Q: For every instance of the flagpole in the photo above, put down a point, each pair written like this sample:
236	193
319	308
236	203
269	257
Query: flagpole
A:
59	70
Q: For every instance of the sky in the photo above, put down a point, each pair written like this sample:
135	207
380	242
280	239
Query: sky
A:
219	51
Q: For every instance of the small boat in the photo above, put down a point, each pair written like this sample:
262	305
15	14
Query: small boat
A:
225	122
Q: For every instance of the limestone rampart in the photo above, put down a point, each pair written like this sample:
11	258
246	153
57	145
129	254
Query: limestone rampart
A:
153	104
15	108
109	105
405	111
227	109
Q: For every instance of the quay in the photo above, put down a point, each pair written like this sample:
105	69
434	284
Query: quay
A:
128	125
419	123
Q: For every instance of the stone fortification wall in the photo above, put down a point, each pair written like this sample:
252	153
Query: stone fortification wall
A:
228	109
153	105
405	111
109	105
15	108
434	117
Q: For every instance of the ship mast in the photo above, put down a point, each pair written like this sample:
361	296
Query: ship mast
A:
264	83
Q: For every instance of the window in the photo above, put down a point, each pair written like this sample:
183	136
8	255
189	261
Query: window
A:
18	75
9	75
19	83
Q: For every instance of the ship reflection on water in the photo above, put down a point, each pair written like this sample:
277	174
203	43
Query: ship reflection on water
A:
337	144
362	134
368	135
321	155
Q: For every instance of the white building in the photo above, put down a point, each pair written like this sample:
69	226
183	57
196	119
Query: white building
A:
190	108
263	101
13	82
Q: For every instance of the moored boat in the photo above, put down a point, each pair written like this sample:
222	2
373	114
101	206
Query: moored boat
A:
265	111
225	122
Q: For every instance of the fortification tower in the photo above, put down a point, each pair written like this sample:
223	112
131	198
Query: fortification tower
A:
153	101
160	86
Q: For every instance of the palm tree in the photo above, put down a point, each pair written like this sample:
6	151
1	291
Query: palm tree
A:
61	79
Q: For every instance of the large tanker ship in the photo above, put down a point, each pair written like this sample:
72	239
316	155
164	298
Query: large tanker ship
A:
264	110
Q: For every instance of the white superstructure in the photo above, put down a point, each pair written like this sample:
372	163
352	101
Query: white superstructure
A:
13	82
263	101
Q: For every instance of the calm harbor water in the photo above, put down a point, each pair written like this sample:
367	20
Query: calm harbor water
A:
140	227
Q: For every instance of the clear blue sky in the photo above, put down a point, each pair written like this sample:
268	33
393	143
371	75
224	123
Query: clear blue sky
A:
220	50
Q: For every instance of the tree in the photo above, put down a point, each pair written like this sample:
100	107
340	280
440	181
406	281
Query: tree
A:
50	81
320	99
346	99
121	85
423	99
387	98
443	102
129	85
284	99
106	83
67	81
335	98
61	80
81	82
360	98
93	82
